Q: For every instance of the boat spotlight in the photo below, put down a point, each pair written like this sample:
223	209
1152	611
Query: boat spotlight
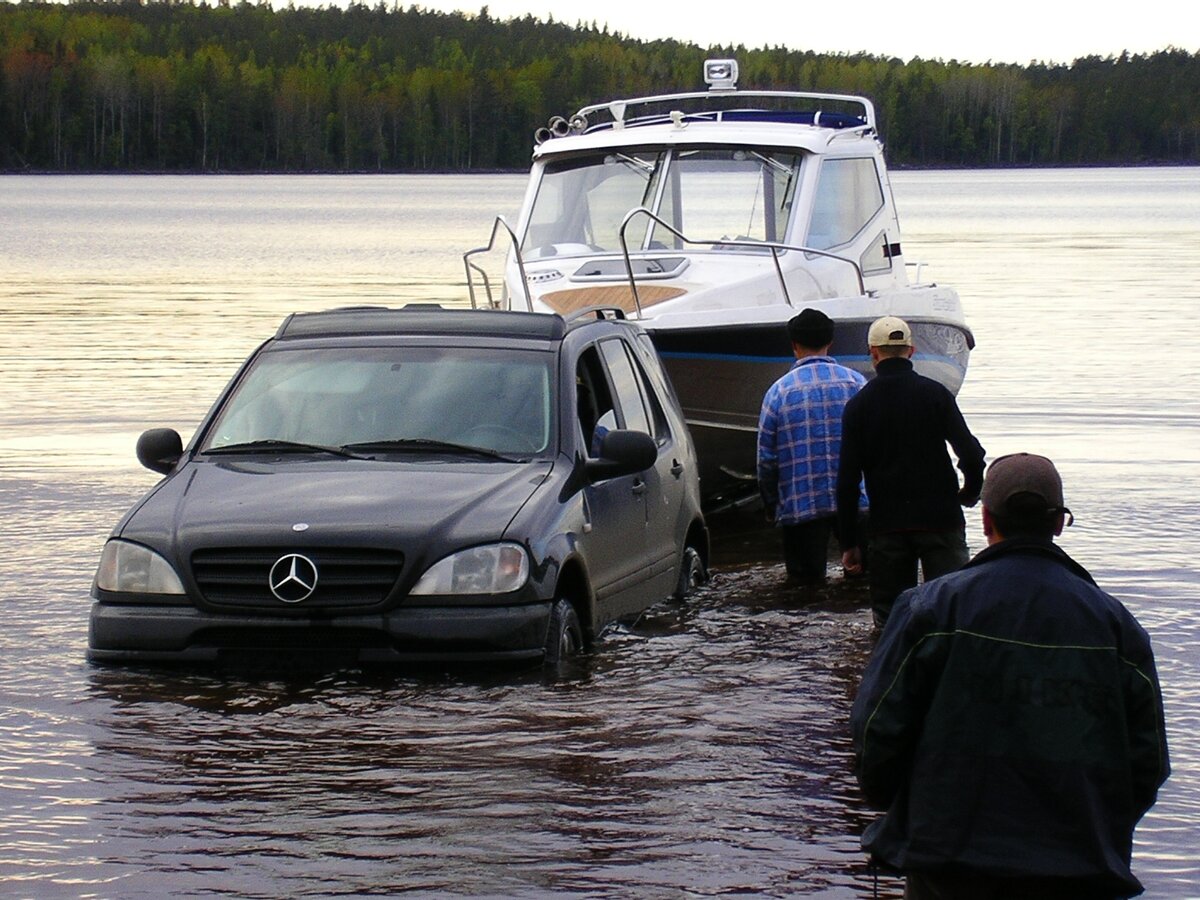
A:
578	123
559	127
721	74
541	135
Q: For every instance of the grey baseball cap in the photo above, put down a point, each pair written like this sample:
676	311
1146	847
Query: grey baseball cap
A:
1028	478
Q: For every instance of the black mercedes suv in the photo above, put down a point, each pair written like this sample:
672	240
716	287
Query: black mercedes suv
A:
411	484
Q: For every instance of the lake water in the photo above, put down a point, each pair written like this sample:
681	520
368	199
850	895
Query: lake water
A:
702	750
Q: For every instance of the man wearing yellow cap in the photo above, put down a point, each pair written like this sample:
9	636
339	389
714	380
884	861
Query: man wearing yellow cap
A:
894	434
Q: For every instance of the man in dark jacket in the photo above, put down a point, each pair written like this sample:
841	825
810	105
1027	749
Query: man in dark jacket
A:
894	432
1010	719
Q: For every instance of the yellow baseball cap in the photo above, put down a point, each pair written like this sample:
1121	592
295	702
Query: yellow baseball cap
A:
889	331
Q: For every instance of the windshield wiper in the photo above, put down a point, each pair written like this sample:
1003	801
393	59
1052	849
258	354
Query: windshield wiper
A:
429	444
772	162
276	445
635	163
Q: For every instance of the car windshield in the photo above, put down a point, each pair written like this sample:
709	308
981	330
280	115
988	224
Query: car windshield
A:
402	399
705	194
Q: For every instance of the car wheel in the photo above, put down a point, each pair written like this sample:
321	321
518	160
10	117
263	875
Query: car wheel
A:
564	637
692	573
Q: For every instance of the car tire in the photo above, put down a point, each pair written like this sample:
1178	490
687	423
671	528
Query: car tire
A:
564	636
692	573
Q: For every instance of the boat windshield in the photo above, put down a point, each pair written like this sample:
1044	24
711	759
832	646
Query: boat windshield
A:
707	194
497	400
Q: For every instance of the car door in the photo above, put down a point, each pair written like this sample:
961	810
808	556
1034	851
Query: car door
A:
614	538
660	485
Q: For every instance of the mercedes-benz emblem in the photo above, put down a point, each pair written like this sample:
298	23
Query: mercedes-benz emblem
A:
293	578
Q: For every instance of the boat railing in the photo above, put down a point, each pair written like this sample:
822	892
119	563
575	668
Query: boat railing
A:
918	266
773	246
622	112
487	284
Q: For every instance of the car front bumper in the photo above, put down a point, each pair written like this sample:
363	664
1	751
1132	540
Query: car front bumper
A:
127	633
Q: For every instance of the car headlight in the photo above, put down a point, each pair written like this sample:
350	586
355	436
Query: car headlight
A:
491	569
133	569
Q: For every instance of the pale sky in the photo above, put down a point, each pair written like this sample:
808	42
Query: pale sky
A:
1010	31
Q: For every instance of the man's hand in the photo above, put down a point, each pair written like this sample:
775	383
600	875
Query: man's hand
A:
967	498
852	561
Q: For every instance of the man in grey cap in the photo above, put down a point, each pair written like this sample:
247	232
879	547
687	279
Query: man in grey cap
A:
1010	719
894	433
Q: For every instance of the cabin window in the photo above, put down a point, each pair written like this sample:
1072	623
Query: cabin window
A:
707	195
581	203
848	197
877	257
741	194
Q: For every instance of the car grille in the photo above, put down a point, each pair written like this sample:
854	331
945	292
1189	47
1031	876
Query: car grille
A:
242	577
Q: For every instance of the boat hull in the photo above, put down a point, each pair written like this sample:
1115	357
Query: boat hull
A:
721	373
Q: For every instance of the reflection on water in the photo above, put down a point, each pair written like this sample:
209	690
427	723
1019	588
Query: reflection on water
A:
701	749
640	773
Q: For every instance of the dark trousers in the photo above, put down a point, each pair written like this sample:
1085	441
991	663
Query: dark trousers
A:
806	549
894	557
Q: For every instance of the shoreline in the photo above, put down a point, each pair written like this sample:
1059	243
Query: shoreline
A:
904	167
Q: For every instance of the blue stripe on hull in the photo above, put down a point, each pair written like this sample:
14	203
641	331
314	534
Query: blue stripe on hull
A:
722	373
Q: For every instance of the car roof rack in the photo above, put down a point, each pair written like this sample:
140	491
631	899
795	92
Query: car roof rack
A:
594	313
421	318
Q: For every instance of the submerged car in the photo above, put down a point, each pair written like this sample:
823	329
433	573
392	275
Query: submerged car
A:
407	485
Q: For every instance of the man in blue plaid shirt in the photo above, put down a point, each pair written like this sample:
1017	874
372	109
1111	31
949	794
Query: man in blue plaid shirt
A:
799	438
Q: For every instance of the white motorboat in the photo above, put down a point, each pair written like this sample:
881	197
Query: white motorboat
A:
714	217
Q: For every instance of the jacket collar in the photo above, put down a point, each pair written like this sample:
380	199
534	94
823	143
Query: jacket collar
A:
812	359
1030	546
894	365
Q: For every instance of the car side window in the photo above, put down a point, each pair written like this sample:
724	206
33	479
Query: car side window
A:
652	385
629	387
593	401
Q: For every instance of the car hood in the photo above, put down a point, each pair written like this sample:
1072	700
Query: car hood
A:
424	509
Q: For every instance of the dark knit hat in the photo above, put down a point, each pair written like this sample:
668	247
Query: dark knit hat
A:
810	328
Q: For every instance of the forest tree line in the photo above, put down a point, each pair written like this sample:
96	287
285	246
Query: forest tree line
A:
174	86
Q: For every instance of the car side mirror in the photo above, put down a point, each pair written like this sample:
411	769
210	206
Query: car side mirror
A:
159	449
622	452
